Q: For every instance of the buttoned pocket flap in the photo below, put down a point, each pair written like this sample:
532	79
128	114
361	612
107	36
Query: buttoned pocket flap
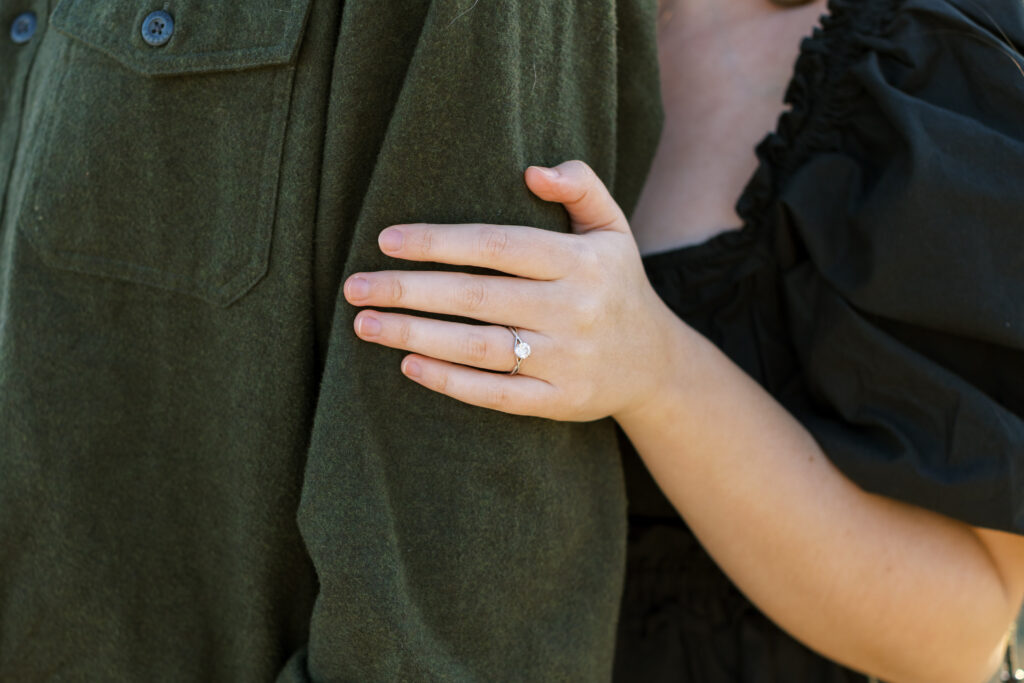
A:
155	159
202	37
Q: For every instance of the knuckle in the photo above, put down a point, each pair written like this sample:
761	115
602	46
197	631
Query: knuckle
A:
588	312
403	333
470	296
586	180
577	168
474	348
396	290
581	194
585	259
493	243
425	240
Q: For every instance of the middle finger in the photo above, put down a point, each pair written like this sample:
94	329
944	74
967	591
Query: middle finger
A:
493	299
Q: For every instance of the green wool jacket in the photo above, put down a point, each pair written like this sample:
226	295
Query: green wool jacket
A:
204	475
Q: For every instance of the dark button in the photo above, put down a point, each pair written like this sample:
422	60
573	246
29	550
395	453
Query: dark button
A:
157	28
23	27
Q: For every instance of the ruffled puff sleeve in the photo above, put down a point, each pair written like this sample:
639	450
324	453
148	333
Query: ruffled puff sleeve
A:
900	244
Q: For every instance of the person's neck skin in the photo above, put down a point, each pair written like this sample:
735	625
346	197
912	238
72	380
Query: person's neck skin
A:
724	68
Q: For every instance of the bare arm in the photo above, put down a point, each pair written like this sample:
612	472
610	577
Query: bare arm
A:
881	586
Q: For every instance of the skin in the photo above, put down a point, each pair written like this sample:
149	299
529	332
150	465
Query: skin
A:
738	56
893	590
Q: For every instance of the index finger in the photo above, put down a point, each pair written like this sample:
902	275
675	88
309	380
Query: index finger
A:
514	249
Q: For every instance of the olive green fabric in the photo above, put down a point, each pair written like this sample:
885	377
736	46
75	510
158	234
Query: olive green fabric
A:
204	475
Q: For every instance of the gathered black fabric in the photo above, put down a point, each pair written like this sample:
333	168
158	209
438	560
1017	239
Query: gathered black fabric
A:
876	289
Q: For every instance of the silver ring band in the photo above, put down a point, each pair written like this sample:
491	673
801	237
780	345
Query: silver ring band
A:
520	349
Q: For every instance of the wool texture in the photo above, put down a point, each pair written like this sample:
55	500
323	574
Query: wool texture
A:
204	474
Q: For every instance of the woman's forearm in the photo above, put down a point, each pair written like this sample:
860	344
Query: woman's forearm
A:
885	587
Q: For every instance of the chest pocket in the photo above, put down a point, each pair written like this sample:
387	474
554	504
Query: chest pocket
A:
156	156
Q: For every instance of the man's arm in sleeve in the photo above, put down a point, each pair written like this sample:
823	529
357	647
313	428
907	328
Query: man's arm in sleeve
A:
451	542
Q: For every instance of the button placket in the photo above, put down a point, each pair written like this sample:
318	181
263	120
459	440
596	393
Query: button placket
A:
23	27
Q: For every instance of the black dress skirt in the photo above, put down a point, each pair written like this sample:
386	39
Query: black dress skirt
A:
876	289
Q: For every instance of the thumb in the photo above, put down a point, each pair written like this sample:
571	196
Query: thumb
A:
575	185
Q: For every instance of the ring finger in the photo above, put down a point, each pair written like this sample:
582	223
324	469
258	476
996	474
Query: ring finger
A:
488	347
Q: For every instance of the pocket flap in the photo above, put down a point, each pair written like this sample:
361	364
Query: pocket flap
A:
207	36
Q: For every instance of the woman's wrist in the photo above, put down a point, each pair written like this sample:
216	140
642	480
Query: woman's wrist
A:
675	363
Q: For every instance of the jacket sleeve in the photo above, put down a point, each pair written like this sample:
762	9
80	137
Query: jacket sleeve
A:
450	542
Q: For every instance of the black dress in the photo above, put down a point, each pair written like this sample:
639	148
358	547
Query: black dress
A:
876	289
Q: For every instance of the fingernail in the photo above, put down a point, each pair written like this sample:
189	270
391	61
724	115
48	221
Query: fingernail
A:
357	288
412	369
390	239
368	326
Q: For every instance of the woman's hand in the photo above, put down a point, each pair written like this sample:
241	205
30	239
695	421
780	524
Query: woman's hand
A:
599	335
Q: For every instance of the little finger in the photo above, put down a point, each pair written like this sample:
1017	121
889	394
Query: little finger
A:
517	395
